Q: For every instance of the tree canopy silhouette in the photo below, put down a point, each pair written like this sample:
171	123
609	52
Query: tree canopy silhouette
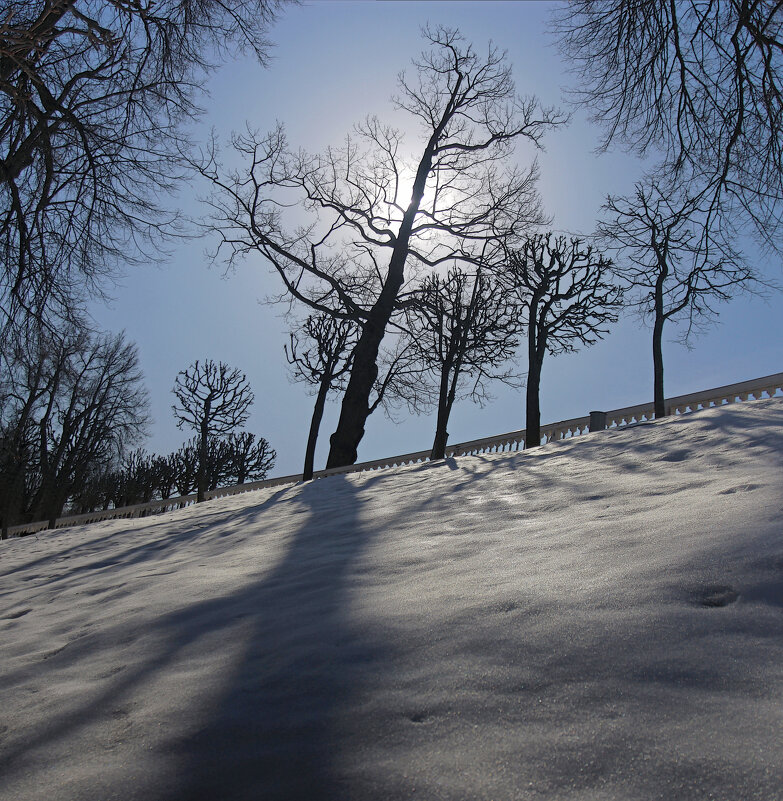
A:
376	213
566	297
94	95
212	399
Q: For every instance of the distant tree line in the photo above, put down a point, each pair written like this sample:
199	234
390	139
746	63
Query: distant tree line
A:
73	406
141	477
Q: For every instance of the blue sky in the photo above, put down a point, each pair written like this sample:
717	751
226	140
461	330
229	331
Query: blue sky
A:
334	63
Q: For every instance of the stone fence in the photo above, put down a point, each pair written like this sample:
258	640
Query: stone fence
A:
754	389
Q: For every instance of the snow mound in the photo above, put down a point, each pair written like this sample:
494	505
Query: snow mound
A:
600	618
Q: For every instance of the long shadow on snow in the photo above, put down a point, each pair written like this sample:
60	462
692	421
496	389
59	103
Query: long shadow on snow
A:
268	734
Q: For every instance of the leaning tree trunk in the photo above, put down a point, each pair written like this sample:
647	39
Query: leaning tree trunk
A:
356	402
315	425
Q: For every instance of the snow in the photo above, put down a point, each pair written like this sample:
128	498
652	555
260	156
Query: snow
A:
600	618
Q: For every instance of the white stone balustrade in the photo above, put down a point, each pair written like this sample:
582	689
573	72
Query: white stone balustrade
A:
768	386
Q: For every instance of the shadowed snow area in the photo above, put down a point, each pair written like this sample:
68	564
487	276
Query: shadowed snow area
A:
600	618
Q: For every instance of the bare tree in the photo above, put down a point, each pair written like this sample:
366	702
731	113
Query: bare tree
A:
675	264
566	297
213	400
94	95
76	403
166	474
186	460
701	81
324	363
99	410
463	329
251	457
374	210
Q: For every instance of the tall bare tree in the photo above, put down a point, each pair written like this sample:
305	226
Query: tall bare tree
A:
675	264
701	82
212	399
566	297
463	328
94	96
375	212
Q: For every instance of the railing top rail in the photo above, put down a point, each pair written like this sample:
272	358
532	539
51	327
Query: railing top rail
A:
729	390
769	383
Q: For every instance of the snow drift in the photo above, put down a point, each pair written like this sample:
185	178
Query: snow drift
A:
600	618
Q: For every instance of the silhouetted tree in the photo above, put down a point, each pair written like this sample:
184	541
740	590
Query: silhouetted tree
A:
94	97
97	492
76	403
140	479
213	400
27	376
187	462
702	82
566	297
324	363
99	408
462	328
166	474
675	264
250	458
374	211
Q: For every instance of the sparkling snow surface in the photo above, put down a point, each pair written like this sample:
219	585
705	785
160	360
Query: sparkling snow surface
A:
601	618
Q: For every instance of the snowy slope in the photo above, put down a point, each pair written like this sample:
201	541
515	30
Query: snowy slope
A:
600	618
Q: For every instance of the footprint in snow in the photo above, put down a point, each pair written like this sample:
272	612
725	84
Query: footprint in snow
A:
715	595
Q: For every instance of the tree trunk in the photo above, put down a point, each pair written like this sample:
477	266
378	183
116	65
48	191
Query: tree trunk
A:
356	402
658	398
13	489
441	434
203	455
533	404
52	505
448	391
315	425
535	358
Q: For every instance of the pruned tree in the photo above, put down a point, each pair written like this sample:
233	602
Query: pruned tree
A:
94	98
463	329
97	492
320	353
376	213
140	481
701	83
187	463
566	298
251	458
166	474
212	399
675	265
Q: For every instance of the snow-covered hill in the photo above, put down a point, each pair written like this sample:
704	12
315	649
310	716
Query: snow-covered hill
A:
600	618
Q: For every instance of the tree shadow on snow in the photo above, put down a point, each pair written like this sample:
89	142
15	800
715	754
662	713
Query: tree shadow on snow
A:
268	732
